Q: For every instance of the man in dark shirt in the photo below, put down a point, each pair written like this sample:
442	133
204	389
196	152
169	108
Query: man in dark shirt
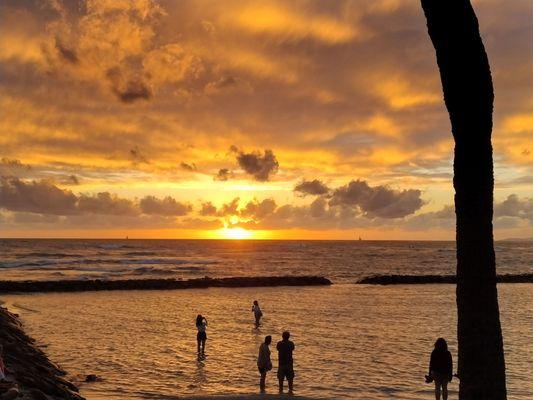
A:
285	363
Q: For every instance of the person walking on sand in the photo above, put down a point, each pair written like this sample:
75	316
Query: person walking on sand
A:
285	348
264	364
440	368
257	313
201	336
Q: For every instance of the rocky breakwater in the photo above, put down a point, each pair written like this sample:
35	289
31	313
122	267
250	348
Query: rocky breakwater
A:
429	279
30	374
158	284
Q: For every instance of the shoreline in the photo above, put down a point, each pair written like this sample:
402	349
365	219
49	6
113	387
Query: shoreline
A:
158	284
28	367
432	279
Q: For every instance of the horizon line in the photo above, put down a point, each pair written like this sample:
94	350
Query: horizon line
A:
257	240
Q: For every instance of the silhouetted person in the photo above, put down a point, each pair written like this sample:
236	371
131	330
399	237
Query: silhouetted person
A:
201	336
257	312
440	368
264	364
285	348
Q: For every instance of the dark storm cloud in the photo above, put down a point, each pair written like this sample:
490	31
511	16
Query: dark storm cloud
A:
314	187
128	89
378	201
67	54
223	174
36	197
132	91
443	219
258	209
43	197
70	180
13	163
208	209
229	209
106	203
260	166
188	167
513	206
167	206
32	218
137	157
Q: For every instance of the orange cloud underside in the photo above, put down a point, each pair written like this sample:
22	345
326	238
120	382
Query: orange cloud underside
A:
182	100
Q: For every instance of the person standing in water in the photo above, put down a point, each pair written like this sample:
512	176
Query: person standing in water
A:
201	336
264	364
440	368
285	348
257	313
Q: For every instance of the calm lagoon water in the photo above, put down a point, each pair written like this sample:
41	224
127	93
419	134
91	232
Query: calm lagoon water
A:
352	341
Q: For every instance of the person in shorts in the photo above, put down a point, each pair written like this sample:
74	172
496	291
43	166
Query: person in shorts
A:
440	368
264	364
201	336
285	348
257	313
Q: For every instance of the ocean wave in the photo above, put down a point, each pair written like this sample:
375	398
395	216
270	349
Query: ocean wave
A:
167	261
114	246
152	271
44	254
140	253
22	264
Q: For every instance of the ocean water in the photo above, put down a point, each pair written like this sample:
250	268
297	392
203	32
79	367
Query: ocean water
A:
352	341
341	261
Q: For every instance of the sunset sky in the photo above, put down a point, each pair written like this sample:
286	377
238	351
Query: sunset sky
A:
247	119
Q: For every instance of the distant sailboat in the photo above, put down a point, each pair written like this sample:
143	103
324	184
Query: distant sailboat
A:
360	238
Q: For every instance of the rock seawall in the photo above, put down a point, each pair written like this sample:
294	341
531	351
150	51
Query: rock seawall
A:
28	367
427	279
158	284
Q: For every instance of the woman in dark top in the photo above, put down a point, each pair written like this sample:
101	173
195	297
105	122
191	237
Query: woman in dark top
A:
201	336
441	368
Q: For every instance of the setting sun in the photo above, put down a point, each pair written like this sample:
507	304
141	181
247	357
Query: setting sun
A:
235	233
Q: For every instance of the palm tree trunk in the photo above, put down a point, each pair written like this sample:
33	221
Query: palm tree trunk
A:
469	97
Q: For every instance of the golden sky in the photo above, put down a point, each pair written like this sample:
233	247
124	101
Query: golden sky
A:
247	119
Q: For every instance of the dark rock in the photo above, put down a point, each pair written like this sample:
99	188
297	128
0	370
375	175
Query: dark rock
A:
425	279
158	284
36	394
30	368
92	378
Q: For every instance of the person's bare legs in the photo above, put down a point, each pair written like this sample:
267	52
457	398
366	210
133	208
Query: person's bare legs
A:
198	341
437	390
444	390
290	384
203	347
262	382
280	385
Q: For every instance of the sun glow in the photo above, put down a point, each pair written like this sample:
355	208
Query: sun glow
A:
235	233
